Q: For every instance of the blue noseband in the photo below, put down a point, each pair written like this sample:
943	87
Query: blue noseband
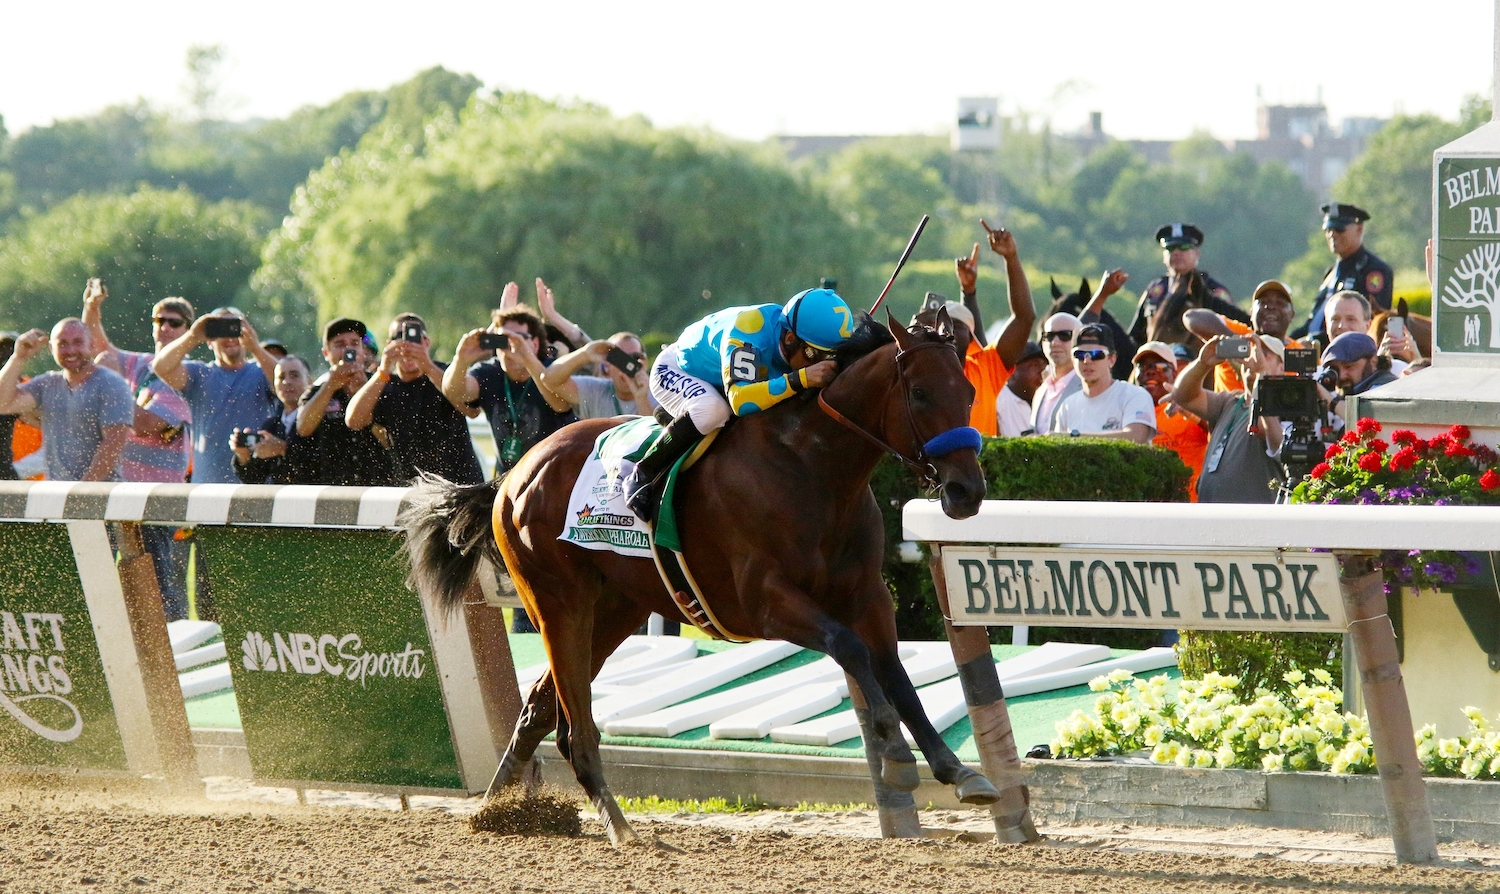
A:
951	440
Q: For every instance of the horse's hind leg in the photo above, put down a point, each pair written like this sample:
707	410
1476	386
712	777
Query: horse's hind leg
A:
538	718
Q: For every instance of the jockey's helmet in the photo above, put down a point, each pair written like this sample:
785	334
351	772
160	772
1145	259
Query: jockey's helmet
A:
820	318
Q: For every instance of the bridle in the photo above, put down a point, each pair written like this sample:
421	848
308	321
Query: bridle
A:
941	445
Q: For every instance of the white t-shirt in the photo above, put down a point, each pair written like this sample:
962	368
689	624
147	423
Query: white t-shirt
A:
1013	414
1120	405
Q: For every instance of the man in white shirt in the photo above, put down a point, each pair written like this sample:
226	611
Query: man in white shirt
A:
1013	405
1061	380
1104	407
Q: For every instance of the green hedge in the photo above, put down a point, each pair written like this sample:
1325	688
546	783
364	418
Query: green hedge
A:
1030	469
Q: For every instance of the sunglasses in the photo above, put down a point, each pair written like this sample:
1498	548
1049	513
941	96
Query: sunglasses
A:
1066	334
1089	353
174	322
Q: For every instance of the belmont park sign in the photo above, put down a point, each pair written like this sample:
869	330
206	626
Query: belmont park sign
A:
1265	590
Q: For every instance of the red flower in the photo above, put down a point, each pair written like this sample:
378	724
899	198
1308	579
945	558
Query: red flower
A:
1333	451
1371	462
1404	459
1456	449
1489	480
1460	432
1370	427
1379	446
1321	469
1349	438
1404	436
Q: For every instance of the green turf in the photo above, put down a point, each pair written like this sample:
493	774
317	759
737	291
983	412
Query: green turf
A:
1032	717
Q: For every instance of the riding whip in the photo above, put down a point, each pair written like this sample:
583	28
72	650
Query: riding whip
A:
901	263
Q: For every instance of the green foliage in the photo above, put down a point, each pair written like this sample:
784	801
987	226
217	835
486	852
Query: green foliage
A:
1258	659
1092	469
146	246
627	223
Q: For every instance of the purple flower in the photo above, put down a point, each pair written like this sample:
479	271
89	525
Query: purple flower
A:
1471	564
1414	553
1441	501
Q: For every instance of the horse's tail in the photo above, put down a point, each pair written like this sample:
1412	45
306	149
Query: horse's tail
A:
448	532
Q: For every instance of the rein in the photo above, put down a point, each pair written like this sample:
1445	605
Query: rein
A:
949	441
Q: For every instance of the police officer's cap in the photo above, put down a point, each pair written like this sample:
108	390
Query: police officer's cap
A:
1338	216
1179	235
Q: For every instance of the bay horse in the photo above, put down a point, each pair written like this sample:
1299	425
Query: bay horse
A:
780	529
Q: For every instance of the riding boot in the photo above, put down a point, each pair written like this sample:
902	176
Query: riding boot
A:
643	486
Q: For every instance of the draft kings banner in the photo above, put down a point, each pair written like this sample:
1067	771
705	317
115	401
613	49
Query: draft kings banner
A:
332	663
55	707
1268	590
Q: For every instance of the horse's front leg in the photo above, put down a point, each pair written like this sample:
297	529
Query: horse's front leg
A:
804	623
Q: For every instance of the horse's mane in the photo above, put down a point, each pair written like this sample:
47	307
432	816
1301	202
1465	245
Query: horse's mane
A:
868	337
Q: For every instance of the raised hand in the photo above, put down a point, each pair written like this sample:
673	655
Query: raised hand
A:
544	300
1113	281
968	271
30	344
94	293
510	296
1002	241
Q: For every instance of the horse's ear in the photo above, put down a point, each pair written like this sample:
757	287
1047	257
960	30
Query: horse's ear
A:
898	331
944	323
1084	291
1401	310
1056	292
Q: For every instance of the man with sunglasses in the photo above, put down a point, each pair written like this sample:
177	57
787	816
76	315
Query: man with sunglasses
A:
1105	407
1357	269
1060	380
158	448
575	377
1158	316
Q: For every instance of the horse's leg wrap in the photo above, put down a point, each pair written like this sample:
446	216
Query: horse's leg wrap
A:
897	808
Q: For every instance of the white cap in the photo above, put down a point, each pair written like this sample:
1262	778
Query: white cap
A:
959	314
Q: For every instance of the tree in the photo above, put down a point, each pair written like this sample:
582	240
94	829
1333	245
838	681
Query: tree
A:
146	246
632	226
1475	282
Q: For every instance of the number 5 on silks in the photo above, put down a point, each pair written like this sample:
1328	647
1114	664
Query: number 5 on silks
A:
742	365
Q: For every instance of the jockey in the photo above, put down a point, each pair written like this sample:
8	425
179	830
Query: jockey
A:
740	360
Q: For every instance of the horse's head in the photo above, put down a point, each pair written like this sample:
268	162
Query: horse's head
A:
915	394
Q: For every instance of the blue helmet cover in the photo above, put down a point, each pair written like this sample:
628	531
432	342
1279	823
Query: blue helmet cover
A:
820	318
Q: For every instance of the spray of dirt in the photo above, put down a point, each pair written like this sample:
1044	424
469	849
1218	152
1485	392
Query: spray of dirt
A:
547	811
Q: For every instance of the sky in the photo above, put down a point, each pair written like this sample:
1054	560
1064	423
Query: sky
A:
774	67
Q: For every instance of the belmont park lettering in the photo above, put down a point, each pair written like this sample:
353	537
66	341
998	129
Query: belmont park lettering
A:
1136	589
33	673
1468	186
337	656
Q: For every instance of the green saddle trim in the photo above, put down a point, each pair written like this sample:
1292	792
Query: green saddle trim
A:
665	532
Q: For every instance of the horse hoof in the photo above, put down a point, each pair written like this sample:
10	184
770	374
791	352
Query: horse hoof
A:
900	775
976	789
622	836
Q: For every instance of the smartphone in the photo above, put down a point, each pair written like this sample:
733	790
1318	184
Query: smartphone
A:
1237	348
494	341
932	302
1395	327
246	439
222	327
351	355
411	331
629	364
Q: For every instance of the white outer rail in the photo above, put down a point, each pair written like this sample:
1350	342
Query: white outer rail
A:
1227	525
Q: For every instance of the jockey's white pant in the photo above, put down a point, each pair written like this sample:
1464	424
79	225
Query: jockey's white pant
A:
681	392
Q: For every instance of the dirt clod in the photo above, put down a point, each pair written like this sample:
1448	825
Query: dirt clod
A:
513	812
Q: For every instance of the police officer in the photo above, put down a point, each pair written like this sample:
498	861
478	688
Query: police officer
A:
1158	317
1357	268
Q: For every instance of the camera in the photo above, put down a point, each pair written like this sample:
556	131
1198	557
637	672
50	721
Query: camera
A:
1301	361
221	327
351	355
629	364
1234	348
411	331
494	341
1294	399
246	439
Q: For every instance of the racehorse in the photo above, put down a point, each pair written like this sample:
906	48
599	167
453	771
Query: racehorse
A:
779	528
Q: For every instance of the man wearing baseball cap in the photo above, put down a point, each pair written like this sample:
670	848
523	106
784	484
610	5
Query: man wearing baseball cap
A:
1356	268
1158	316
1271	313
1013	406
1352	355
1177	430
1105	407
1242	463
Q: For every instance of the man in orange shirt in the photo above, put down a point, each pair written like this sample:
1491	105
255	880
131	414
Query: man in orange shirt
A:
987	367
1271	311
1177	430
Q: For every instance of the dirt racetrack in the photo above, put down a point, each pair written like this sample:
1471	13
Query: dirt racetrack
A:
54	839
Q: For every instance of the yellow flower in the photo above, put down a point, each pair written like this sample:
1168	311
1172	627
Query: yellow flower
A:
1119	675
1293	676
1203	759
1272	762
1099	684
1268	739
1322	676
1224	756
1152	735
1449	749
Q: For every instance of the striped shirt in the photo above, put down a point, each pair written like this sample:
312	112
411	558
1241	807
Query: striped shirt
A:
150	458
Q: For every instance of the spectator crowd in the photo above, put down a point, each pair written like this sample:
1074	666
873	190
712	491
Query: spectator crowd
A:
1182	375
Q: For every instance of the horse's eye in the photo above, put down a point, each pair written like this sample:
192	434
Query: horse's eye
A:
919	394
